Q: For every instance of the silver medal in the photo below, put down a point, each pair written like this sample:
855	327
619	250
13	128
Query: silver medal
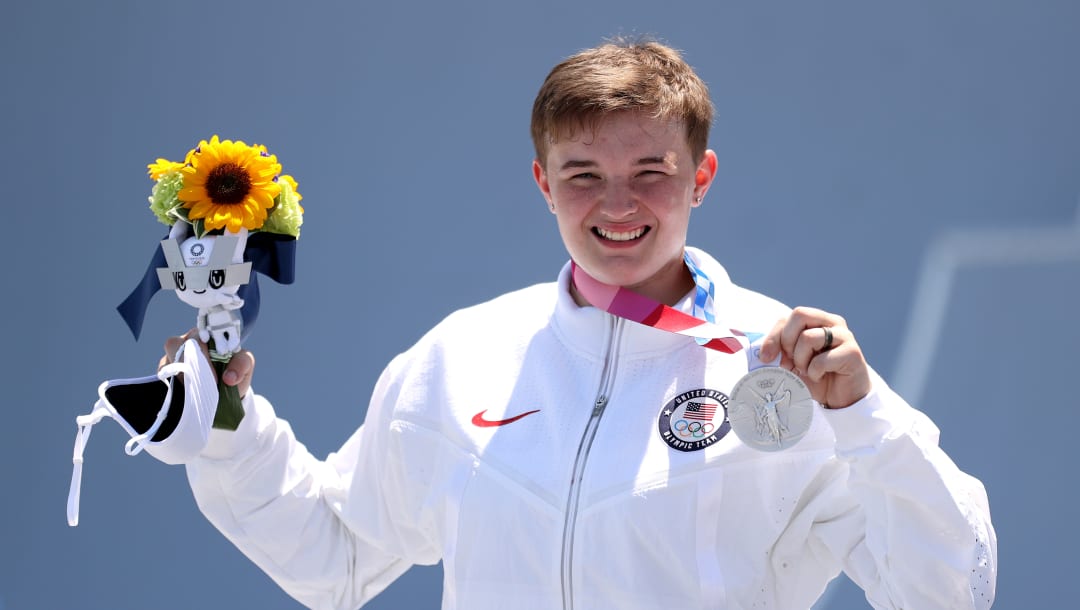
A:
770	409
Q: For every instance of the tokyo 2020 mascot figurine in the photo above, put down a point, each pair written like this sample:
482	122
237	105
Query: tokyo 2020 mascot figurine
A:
230	211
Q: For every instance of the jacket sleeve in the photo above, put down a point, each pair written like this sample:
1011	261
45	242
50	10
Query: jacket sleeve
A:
329	532
897	514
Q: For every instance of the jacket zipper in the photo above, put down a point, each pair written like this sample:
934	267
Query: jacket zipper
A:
570	523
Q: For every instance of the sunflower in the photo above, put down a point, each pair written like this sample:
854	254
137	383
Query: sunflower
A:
229	185
162	167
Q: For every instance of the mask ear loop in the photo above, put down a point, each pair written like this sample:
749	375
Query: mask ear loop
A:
134	446
85	424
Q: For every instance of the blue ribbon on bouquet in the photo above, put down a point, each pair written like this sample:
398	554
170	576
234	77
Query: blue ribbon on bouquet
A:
271	254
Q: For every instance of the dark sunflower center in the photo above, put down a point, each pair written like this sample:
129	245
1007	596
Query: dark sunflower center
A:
228	183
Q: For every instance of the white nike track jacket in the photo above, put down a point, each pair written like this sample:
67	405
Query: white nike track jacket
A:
523	442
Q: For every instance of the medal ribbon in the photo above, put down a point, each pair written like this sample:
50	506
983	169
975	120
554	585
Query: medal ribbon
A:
628	304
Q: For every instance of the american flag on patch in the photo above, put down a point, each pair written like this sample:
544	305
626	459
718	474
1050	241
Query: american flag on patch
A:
700	410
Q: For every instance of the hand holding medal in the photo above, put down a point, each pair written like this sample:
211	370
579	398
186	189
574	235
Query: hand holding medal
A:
818	347
808	355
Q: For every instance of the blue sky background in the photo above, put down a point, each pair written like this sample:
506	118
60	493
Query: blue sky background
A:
853	137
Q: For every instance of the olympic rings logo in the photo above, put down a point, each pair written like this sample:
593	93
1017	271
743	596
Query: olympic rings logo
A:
694	429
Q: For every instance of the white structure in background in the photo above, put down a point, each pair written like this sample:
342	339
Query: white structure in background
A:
952	253
949	255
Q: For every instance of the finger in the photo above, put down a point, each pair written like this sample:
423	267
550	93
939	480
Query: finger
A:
173	344
785	335
239	371
843	375
239	367
770	345
797	322
841	359
800	319
813	341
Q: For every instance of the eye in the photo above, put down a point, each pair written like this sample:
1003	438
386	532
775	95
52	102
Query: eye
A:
178	279
217	278
584	176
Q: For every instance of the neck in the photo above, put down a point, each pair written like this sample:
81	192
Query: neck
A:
668	292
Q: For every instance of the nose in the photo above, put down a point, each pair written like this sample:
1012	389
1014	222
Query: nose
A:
619	200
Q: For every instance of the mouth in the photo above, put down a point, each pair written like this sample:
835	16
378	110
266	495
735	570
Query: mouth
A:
621	236
199	291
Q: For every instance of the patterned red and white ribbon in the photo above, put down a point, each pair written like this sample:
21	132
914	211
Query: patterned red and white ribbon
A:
628	304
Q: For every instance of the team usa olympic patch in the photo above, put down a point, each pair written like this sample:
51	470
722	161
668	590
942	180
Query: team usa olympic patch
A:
694	420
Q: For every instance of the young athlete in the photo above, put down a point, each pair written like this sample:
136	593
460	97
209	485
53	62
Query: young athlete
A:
585	444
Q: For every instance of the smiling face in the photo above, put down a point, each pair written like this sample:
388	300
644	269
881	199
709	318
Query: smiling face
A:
622	193
201	270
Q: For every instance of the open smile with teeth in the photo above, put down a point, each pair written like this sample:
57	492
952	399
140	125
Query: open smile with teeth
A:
621	236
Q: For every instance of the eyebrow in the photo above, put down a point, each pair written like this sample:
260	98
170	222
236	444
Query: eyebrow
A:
577	164
574	164
652	161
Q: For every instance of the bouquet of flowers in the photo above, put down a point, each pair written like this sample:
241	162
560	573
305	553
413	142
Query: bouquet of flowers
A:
226	185
230	210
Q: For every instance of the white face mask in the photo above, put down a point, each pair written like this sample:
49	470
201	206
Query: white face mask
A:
171	421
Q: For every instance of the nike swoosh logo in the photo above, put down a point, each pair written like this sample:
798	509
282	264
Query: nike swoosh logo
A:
478	419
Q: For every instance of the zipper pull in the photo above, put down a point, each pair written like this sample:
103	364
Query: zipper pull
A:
601	402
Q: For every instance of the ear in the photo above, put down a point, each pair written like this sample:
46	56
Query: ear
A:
241	243
540	175
703	177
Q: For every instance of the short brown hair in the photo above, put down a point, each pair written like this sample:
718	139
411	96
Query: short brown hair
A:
621	76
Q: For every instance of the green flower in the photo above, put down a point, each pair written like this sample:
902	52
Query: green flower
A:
287	215
163	199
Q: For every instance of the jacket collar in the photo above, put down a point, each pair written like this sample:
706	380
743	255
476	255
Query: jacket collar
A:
586	328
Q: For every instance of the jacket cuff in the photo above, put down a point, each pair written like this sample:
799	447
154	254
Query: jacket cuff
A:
862	427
